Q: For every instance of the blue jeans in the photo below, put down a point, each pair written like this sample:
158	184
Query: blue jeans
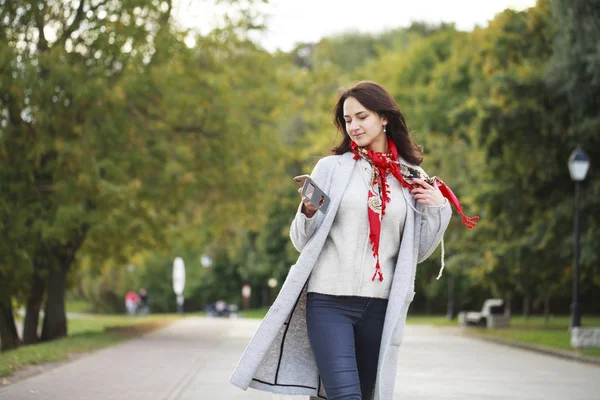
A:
345	334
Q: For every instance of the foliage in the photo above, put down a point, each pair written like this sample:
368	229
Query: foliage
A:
121	143
113	130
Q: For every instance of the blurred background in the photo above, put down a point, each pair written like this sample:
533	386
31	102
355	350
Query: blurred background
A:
133	132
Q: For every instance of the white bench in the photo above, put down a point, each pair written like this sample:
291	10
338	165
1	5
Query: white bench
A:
491	315
585	337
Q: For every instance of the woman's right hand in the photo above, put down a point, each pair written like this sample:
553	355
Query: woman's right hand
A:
308	208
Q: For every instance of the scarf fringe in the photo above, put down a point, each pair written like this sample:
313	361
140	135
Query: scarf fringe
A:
469	222
378	271
374	244
374	232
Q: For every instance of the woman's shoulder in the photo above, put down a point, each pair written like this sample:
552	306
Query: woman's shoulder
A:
403	161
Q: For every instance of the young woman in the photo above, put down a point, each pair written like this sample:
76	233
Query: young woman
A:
336	326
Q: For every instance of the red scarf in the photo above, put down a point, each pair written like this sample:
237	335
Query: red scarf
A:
382	164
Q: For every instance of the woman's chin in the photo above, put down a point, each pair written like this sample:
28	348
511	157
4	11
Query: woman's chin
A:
360	141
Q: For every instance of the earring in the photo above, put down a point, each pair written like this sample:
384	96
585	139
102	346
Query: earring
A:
384	129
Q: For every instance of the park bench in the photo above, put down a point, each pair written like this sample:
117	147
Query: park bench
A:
491	315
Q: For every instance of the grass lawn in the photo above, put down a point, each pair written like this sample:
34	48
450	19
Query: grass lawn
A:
78	306
534	330
85	334
435	320
255	313
554	334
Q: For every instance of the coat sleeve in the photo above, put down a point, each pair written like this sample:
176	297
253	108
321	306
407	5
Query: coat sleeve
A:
303	228
434	221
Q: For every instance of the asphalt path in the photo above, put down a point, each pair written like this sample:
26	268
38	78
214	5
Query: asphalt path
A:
193	359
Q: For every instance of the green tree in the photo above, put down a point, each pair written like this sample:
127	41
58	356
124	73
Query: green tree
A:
574	76
114	127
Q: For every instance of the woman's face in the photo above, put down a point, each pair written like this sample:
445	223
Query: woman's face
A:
365	127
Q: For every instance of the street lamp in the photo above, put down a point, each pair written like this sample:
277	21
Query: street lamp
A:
579	163
268	293
206	262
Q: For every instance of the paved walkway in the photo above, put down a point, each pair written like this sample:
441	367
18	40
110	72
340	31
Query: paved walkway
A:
193	359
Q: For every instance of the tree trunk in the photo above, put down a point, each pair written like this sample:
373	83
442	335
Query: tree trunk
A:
34	304
428	305
547	307
265	296
508	303
55	318
8	329
526	307
451	298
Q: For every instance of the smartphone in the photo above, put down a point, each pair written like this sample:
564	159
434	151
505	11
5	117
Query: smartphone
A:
300	180
315	195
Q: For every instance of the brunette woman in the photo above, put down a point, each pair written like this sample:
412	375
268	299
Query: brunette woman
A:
336	326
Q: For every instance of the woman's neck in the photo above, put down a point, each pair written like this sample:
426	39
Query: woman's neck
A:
379	146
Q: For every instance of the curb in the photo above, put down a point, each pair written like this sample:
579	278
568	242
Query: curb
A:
538	349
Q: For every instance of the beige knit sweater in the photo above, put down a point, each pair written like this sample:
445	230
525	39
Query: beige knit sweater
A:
346	264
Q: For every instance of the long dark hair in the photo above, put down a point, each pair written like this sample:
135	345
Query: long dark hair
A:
376	98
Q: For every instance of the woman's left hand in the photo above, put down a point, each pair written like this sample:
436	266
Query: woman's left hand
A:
427	194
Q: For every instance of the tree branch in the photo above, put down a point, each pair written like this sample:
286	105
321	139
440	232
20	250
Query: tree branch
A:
14	113
79	17
97	6
74	25
39	22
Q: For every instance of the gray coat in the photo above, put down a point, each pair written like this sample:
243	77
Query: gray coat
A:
279	358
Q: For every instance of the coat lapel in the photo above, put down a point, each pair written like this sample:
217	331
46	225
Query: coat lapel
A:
339	182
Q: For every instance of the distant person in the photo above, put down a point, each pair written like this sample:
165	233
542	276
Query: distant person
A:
132	300
335	329
144	302
221	308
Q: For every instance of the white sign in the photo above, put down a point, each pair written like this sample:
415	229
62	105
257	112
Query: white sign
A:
178	276
246	291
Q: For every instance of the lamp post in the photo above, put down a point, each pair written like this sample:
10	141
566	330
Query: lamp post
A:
451	298
272	284
579	163
206	262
